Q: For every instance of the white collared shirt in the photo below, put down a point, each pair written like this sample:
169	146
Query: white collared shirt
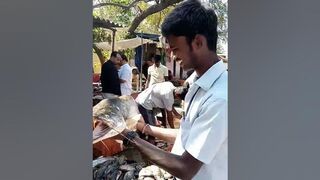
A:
125	73
203	132
157	74
158	95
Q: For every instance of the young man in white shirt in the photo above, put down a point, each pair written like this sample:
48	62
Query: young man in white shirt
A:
125	75
157	72
200	149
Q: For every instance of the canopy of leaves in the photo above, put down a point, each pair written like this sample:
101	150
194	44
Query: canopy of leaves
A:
125	11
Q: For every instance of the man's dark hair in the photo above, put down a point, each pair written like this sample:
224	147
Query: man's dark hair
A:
189	72
114	54
124	57
184	92
157	58
190	18
151	56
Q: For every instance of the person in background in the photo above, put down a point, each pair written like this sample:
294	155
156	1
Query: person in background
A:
147	63
135	79
125	75
159	95
157	72
109	78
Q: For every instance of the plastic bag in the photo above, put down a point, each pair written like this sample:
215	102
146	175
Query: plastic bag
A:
117	113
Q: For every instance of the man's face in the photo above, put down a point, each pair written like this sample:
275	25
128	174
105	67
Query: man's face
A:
157	64
182	51
118	59
122	62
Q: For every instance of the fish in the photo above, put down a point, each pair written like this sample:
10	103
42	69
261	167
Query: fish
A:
115	168
101	160
127	167
119	175
115	114
129	175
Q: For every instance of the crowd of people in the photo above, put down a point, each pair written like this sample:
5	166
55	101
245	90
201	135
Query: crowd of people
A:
158	93
116	73
201	142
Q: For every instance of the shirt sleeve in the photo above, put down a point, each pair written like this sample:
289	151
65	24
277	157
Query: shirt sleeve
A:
209	130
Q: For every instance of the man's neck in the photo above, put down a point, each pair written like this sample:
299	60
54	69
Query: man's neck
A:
124	64
206	63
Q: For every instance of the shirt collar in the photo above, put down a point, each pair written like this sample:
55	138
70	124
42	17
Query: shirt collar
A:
211	75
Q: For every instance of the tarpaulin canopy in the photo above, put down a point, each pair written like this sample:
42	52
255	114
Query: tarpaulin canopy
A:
124	44
154	37
105	23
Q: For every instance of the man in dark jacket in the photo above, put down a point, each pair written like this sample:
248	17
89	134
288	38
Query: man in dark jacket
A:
109	75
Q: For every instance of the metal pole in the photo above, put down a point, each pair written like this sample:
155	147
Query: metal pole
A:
113	38
140	89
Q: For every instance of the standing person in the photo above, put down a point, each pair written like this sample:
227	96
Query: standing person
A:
200	150
157	72
125	75
146	66
109	75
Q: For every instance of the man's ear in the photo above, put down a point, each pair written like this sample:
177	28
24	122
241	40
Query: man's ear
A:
199	41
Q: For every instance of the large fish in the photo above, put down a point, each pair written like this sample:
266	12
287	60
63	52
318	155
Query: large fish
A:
115	113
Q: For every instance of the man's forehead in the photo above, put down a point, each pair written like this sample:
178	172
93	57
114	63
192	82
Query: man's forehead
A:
173	41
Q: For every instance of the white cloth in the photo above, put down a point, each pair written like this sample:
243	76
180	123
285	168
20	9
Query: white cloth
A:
125	73
157	74
203	132
158	95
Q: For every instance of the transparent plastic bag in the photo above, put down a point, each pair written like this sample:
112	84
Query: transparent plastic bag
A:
117	113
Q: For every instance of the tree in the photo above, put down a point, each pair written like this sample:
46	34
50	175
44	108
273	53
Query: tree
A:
142	9
151	10
147	16
221	9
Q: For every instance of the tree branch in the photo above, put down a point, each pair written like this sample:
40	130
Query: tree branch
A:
151	10
118	5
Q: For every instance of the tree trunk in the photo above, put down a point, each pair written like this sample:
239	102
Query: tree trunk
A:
151	10
117	4
99	53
